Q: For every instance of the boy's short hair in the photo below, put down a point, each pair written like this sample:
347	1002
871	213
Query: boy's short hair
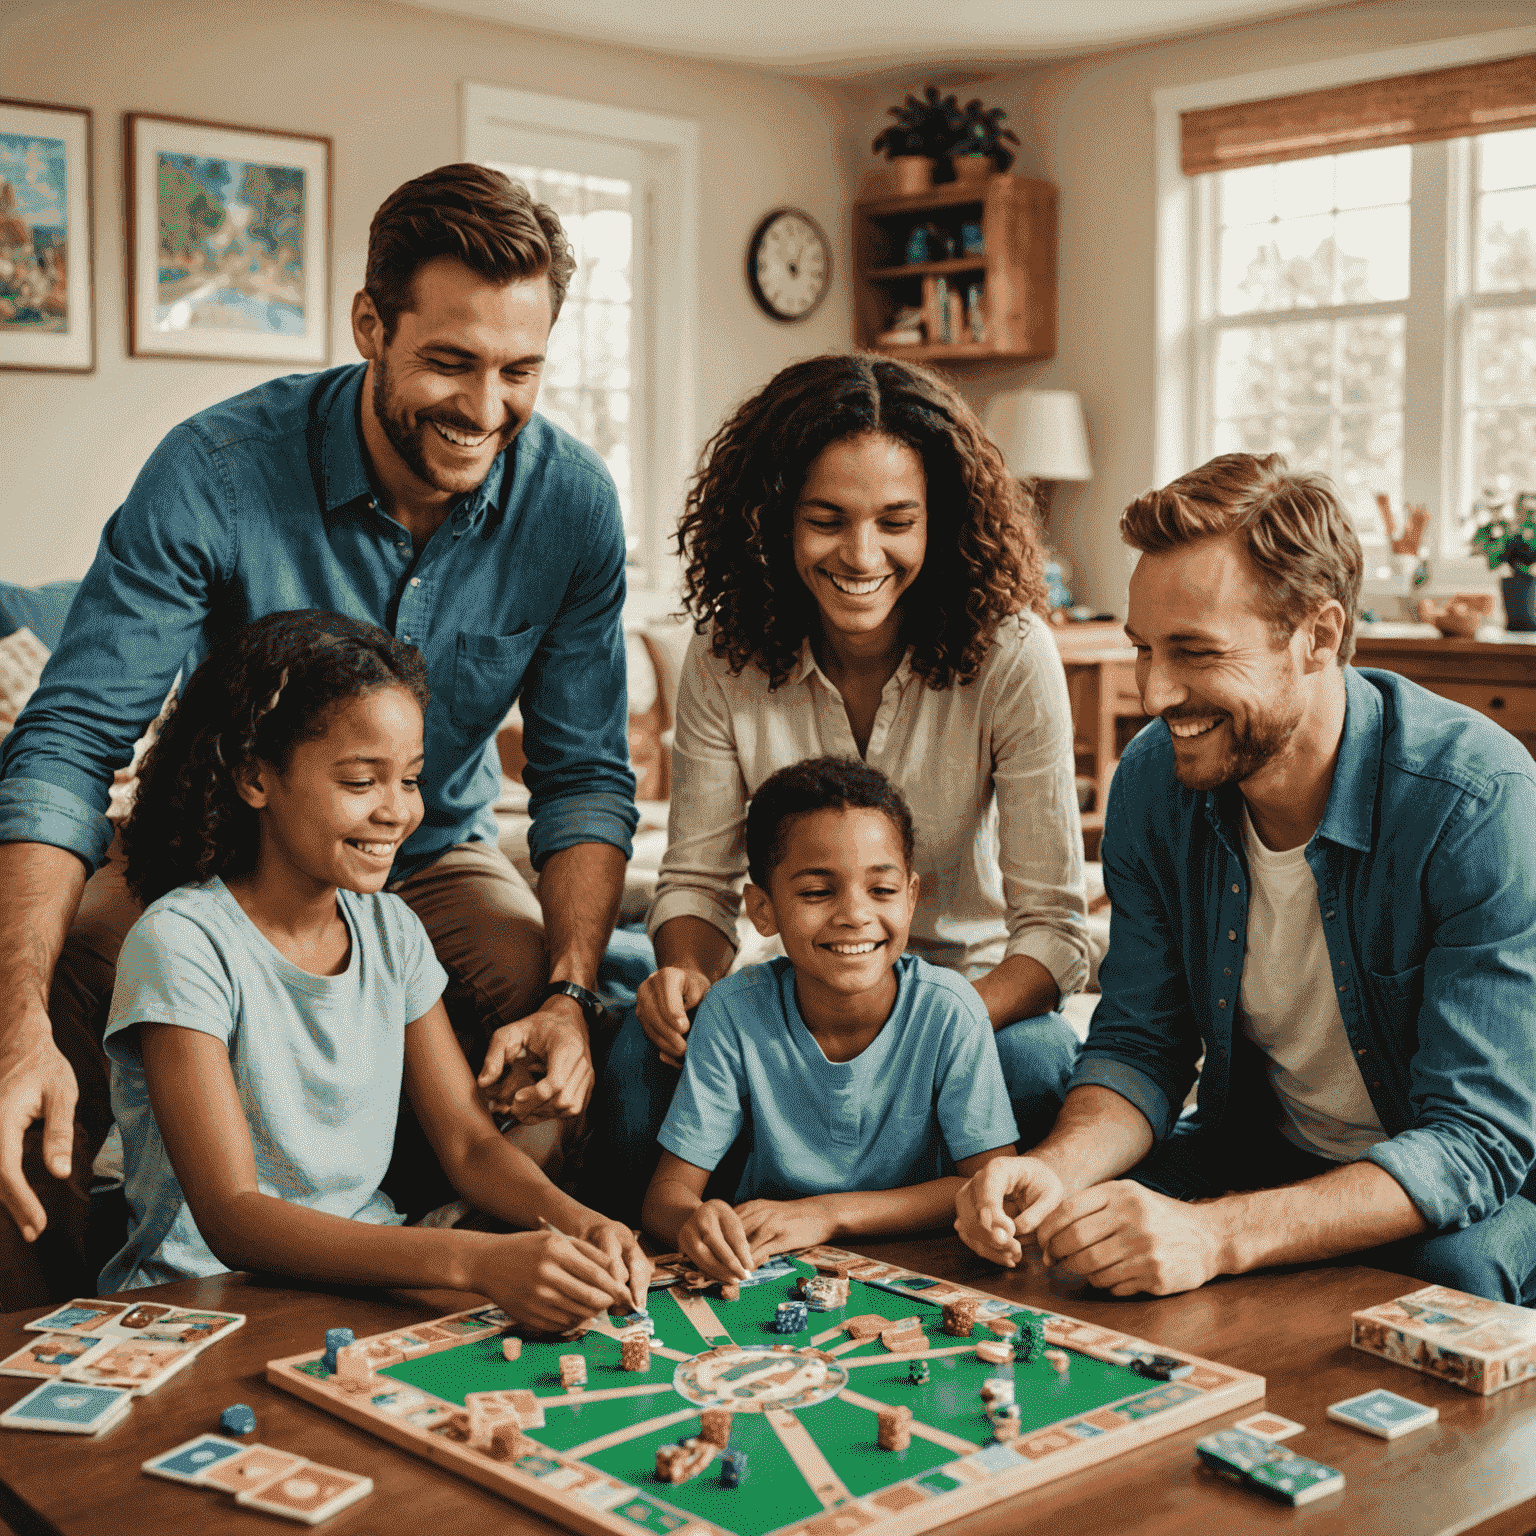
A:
1299	538
819	784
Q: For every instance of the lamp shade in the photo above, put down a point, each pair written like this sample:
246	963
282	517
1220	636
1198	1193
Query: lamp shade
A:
1041	433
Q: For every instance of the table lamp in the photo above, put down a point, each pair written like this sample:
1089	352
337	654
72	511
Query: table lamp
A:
1043	437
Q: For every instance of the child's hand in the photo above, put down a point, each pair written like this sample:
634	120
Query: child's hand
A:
626	1260
547	1281
663	1002
781	1226
714	1239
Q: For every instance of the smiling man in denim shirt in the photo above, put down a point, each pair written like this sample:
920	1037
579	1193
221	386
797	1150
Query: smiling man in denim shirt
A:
1323	883
420	492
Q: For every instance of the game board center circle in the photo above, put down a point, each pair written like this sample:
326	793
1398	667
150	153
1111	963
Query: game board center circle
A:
748	1378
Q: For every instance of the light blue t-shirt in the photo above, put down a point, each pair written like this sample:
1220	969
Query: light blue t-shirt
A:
924	1094
317	1061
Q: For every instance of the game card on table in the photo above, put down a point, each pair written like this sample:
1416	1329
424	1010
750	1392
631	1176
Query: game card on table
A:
68	1408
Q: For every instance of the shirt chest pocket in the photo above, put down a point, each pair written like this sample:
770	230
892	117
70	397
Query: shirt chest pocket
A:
487	674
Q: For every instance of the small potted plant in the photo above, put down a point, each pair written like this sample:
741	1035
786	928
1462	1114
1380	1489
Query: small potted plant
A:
979	144
924	129
1509	538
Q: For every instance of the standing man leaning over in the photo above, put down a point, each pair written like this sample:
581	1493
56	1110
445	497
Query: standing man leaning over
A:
1322	880
417	491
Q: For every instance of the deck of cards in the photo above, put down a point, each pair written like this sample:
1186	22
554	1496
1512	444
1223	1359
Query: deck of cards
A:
1252	1461
278	1482
1383	1413
68	1408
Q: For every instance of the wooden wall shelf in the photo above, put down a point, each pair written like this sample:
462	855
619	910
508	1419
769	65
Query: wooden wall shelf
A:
1016	272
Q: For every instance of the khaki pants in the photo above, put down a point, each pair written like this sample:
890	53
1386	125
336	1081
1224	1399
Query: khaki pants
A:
487	929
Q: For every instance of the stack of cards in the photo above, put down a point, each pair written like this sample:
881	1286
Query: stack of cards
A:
1383	1413
262	1478
1268	1468
68	1408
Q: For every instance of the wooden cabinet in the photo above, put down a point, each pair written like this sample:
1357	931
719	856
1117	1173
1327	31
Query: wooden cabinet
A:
1495	677
1016	270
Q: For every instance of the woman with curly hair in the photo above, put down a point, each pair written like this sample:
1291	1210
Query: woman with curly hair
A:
865	580
273	999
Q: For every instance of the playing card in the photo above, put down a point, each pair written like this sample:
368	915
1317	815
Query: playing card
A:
143	1315
67	1407
77	1317
140	1363
46	1356
197	1328
1293	1479
188	1462
1270	1426
1383	1413
309	1493
257	1465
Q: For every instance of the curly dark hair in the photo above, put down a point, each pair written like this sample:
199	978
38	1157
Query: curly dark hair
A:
819	784
983	559
258	695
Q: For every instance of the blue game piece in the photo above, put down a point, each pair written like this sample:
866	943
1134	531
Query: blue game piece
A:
790	1317
917	1373
238	1419
335	1338
733	1467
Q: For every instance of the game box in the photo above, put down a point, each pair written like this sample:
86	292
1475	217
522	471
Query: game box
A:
1481	1345
804	1420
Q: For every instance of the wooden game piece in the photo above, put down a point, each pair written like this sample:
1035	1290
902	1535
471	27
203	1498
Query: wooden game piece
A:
238	1419
635	1352
678	1463
995	1392
1003	1327
993	1352
1060	1361
573	1371
904	1341
336	1338
354	1367
730	1291
868	1325
715	1426
895	1432
824	1293
486	1412
733	1467
511	1347
1005	1419
960	1317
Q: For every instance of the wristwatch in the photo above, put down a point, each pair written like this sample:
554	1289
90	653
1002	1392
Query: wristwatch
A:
596	1012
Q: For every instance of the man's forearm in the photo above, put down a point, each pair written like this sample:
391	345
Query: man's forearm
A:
692	944
1019	988
579	891
1097	1136
1342	1211
42	886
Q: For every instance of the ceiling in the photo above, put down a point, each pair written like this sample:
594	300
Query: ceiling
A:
849	38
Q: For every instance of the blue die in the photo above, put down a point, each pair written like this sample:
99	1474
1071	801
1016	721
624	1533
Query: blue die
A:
336	1338
790	1317
733	1467
238	1419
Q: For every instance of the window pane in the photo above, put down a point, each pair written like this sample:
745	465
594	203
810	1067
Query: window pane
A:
1303	187
1372	255
1507	159
1370	460
1371	177
1506	241
1247	196
1371	361
1502	358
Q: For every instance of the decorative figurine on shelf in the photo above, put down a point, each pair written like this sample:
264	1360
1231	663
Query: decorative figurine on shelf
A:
975	317
971	242
923	132
917	244
978	147
905	329
1509	538
1407	545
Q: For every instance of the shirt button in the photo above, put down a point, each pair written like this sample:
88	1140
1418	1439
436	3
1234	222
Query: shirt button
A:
1361	1051
1235	890
1222	1003
1232	933
415	581
406	638
1222	1052
1227	971
399	543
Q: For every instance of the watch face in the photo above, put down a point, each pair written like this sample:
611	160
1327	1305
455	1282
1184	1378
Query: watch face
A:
789	264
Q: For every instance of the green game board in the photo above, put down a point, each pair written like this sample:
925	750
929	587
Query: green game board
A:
815	1468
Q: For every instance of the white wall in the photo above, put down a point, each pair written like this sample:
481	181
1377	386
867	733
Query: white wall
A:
1087	125
382	80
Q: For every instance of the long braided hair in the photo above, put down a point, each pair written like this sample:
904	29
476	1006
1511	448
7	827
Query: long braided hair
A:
258	695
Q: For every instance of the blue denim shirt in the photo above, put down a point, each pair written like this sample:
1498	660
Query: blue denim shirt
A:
1425	864
263	503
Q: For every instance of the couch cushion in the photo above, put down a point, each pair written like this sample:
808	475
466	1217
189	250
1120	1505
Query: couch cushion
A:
40	609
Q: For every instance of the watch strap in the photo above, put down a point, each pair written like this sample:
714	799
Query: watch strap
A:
598	1014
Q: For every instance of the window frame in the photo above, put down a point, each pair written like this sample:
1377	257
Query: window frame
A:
1439	308
667	309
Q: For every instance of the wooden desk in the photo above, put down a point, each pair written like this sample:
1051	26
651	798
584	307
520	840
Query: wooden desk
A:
1293	1328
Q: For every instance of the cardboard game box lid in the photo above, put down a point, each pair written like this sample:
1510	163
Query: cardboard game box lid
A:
1483	1346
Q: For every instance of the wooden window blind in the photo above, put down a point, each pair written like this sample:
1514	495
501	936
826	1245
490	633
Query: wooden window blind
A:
1406	109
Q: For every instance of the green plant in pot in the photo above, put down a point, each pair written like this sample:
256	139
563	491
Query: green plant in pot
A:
923	132
980	145
1509	538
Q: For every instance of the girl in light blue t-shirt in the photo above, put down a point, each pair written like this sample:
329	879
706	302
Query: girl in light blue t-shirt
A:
272	1000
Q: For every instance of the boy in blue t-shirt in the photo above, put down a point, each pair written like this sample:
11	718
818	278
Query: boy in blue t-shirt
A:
871	1077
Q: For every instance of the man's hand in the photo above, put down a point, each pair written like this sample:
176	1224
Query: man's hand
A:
546	1281
663	1002
1007	1200
780	1226
540	1068
36	1083
1125	1238
627	1262
713	1237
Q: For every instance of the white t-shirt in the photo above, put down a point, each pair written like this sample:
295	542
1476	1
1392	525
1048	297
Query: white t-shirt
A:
317	1061
1288	1007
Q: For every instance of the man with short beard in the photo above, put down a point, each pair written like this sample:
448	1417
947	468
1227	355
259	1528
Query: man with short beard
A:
1322	883
418	491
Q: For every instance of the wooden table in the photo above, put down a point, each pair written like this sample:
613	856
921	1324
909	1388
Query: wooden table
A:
1291	1327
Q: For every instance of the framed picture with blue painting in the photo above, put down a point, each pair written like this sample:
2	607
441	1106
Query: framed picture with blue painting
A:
229	235
47	318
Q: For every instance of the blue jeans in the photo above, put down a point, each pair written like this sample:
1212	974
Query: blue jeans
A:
636	1085
1495	1257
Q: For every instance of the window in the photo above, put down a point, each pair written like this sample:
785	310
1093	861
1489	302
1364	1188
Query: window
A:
1370	313
615	178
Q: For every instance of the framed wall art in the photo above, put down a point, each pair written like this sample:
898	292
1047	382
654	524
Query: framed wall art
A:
47	318
229	234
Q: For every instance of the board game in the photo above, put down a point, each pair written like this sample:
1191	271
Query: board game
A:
1483	1346
810	1410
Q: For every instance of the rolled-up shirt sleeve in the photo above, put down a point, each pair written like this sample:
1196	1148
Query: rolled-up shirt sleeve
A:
1040	841
575	704
1472	1079
706	859
139	613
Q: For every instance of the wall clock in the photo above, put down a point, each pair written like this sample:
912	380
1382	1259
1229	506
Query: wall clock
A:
789	264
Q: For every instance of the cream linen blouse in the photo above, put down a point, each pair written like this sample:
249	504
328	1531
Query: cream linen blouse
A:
986	768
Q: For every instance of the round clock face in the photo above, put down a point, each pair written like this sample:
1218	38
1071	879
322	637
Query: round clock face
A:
789	264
